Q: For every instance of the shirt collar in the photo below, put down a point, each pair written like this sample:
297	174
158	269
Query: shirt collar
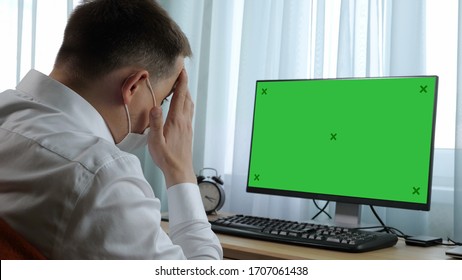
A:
55	94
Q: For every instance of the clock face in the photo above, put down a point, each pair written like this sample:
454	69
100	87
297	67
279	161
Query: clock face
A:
210	194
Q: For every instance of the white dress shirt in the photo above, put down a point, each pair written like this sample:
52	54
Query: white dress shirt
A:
67	188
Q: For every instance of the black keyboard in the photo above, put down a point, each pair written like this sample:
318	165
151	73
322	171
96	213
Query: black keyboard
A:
306	234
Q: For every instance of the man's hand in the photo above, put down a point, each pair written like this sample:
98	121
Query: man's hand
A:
170	144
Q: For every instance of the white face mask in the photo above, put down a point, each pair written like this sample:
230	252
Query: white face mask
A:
133	141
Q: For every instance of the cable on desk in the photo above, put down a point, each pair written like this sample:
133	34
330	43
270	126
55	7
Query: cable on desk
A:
399	233
386	228
451	242
383	226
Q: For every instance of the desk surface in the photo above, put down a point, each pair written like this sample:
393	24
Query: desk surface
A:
251	249
244	248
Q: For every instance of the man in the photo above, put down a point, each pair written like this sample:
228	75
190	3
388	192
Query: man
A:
67	183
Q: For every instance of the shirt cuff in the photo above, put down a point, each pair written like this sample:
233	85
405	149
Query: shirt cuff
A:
185	204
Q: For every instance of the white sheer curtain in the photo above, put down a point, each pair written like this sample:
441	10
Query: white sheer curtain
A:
300	39
238	42
458	154
356	38
31	33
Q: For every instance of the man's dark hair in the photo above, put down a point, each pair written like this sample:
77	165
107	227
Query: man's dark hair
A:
104	35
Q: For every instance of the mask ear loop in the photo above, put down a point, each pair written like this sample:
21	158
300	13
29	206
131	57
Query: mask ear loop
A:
153	100
127	112
128	118
152	92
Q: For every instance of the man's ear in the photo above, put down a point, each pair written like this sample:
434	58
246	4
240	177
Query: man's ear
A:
132	85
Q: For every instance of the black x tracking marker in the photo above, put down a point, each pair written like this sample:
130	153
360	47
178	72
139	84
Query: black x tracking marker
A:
423	89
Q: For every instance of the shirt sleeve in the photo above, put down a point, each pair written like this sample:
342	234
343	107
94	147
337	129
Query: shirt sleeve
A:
187	216
118	217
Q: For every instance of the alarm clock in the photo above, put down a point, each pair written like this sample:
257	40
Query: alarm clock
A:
211	189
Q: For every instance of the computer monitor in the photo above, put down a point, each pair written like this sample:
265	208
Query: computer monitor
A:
355	141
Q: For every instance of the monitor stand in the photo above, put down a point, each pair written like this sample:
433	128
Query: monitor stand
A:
347	214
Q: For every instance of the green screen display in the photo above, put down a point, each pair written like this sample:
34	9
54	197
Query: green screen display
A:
367	141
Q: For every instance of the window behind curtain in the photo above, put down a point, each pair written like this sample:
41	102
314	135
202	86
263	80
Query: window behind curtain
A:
31	32
442	61
18	55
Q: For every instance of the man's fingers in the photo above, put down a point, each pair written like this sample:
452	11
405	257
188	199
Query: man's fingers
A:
180	93
156	123
189	106
170	143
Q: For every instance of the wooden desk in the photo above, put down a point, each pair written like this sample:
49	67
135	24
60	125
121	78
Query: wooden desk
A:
244	248
250	249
